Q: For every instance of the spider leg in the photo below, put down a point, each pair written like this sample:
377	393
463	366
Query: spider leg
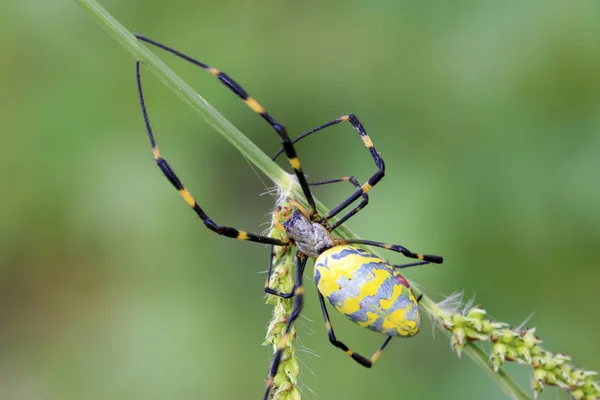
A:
257	108
189	199
365	362
360	206
414	264
310	132
298	300
394	247
361	190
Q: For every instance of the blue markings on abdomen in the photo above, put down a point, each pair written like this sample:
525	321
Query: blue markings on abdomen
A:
345	252
363	280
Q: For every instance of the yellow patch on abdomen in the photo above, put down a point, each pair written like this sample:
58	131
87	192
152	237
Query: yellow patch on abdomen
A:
367	290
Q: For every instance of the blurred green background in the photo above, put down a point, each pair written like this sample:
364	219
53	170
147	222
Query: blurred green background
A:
486	113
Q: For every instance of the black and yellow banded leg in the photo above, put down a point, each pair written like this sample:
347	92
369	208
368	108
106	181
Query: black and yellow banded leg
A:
298	300
394	247
360	206
373	180
414	264
310	132
257	108
174	179
365	362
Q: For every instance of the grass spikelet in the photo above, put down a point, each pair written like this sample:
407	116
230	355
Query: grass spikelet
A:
469	324
282	279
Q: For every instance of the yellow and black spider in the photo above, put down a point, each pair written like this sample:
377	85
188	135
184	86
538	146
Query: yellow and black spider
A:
363	287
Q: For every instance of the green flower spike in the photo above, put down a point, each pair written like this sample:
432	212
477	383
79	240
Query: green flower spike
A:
285	384
468	324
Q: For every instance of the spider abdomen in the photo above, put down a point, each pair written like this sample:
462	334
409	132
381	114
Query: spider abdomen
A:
367	290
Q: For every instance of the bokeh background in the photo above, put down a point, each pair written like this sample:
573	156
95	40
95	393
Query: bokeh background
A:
486	113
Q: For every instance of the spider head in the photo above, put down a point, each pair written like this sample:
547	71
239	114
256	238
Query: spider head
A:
311	237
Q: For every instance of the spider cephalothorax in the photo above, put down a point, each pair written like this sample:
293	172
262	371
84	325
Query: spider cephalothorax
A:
312	238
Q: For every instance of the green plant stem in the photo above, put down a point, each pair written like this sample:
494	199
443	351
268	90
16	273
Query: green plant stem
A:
184	91
480	358
475	353
249	150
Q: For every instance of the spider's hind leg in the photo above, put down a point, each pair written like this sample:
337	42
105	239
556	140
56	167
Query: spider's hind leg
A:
286	142
189	199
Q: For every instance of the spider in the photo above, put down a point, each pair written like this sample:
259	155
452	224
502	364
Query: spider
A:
361	286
